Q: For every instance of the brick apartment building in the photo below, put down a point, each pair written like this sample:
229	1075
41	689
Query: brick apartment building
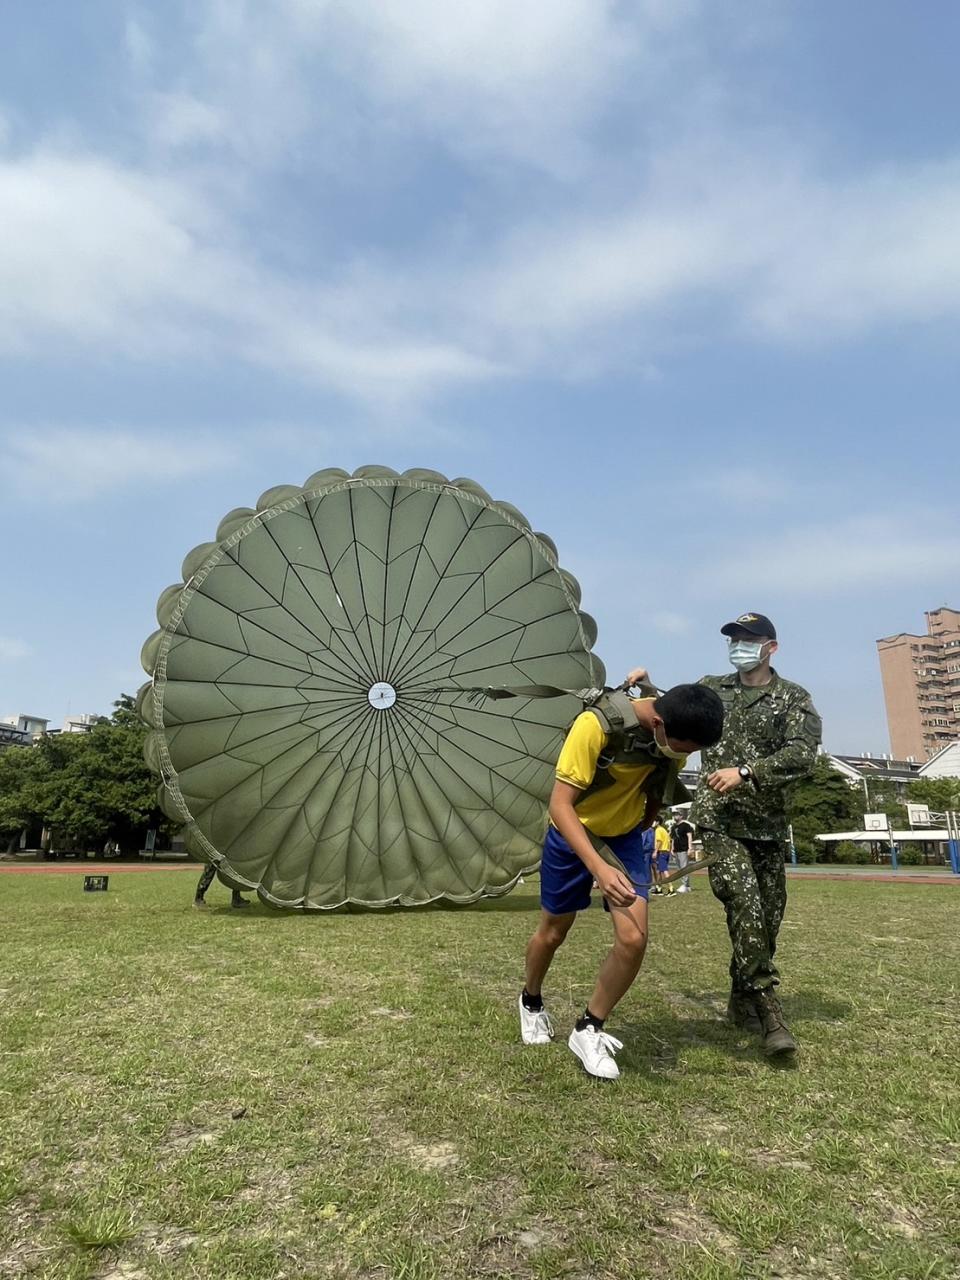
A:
921	686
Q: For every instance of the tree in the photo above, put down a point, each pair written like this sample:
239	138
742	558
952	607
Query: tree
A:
823	801
95	786
885	798
938	794
19	775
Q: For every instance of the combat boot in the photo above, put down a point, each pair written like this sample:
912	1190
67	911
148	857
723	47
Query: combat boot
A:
776	1033
742	1013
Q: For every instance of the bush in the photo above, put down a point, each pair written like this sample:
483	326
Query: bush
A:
807	851
852	852
909	855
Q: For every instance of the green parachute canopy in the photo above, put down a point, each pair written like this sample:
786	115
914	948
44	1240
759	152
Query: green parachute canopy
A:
308	699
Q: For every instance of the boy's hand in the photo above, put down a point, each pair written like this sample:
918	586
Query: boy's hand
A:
615	887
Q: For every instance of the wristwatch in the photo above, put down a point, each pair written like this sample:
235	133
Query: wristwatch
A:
745	772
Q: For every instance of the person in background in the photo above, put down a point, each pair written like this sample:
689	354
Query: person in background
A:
681	837
204	883
661	844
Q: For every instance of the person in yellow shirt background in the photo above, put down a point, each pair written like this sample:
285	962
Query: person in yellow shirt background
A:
612	798
661	857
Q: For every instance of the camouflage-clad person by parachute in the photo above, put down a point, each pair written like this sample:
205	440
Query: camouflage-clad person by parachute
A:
770	739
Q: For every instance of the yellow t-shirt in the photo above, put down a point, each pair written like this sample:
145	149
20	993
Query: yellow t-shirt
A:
614	810
661	839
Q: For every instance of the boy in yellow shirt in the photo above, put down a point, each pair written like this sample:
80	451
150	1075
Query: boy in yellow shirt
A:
618	811
661	856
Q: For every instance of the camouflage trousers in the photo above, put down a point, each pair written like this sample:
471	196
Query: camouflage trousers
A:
750	880
206	879
207	876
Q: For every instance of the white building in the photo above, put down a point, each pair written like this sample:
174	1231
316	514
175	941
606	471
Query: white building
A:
27	728
945	764
865	769
80	724
22	730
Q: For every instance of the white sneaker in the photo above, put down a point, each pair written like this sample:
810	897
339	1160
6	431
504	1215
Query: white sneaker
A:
684	888
595	1049
535	1028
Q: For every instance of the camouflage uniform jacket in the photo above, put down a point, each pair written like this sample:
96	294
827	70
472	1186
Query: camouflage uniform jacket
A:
774	728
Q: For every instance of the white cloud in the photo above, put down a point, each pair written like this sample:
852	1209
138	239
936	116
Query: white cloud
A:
138	43
105	257
602	269
76	465
491	73
705	235
737	485
756	245
382	370
120	261
87	247
181	120
859	553
482	76
852	255
671	624
155	264
12	649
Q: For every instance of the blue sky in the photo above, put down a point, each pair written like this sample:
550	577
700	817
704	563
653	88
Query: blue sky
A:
680	280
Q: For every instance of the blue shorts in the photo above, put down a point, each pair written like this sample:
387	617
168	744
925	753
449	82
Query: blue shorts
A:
663	861
565	883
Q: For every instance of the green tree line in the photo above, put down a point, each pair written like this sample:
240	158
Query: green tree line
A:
86	787
94	787
825	801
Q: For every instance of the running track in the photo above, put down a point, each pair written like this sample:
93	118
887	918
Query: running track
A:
93	868
121	868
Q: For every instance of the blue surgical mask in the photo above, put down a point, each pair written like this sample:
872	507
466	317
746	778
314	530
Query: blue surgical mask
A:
746	655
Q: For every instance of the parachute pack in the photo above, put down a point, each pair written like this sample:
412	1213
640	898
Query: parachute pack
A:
627	741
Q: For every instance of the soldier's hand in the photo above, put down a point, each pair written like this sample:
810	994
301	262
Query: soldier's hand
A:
615	887
636	676
724	780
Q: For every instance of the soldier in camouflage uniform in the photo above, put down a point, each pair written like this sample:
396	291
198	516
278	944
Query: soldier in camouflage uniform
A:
206	880
770	737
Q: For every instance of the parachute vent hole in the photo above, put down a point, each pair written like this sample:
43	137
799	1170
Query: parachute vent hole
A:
382	695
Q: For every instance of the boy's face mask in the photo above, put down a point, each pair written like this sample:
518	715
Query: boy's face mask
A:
666	750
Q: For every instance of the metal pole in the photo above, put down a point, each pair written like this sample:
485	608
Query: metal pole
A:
893	852
953	841
948	823
793	847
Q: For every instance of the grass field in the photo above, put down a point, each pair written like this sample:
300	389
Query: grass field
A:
256	1095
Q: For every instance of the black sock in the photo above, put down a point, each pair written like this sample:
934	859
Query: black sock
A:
589	1020
532	1004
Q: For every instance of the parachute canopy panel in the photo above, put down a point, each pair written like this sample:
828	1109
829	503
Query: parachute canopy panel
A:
309	705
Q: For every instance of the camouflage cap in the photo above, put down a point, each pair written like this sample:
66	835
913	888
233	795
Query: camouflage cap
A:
755	624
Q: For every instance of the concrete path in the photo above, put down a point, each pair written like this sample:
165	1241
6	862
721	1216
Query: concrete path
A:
93	868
